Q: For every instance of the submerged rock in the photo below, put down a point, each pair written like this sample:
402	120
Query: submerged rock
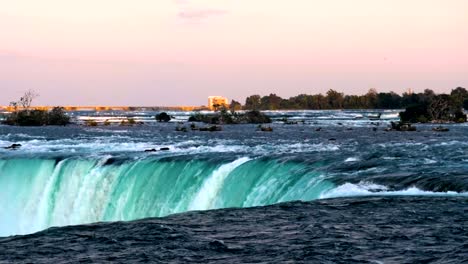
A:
181	129
218	245
266	129
154	150
211	128
440	129
400	126
150	150
13	146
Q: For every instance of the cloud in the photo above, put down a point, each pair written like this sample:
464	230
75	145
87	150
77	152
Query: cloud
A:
200	14
189	12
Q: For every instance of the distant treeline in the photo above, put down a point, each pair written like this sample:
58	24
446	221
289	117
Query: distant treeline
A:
458	98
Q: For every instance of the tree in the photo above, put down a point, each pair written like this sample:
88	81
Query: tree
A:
388	100
465	104
439	108
252	102
419	103
297	102
235	106
26	100
458	96
429	93
371	98
271	102
335	99
354	102
14	105
411	99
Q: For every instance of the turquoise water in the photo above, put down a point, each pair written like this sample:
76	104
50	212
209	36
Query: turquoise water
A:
43	192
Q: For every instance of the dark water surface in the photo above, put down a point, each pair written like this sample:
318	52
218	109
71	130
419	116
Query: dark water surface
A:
346	230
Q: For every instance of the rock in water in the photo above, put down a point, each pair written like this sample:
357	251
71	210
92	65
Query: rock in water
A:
163	117
13	146
218	245
266	129
440	129
401	126
212	128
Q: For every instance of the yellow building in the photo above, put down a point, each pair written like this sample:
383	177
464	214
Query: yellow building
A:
214	102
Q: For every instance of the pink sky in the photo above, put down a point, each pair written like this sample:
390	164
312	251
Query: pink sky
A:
178	52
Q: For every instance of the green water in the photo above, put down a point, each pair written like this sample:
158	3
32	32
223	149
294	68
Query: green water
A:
40	193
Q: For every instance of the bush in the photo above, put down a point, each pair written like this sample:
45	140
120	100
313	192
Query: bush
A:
209	119
423	113
31	118
163	117
415	114
55	117
58	117
256	117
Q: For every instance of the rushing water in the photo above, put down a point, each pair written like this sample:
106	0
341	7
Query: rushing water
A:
348	230
76	175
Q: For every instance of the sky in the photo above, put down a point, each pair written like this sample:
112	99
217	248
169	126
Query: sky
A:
178	52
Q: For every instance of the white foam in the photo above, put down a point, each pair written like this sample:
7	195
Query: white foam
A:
123	143
429	161
371	189
207	194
